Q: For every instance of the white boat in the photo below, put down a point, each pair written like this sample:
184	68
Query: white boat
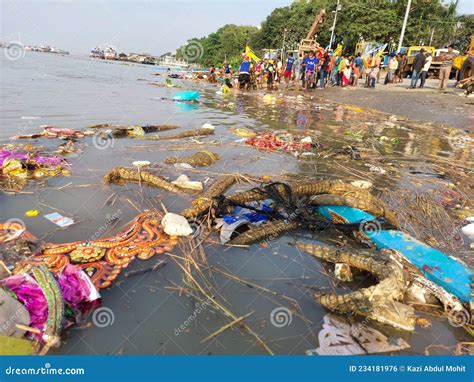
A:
110	53
170	61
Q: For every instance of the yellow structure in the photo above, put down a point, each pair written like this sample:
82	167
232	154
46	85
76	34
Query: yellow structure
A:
465	63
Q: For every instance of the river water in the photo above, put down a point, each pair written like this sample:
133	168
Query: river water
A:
150	311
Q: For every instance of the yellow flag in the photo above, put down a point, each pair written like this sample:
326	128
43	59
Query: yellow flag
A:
251	55
338	50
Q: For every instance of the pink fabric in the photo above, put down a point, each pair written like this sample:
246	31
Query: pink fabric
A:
76	290
6	154
31	296
40	160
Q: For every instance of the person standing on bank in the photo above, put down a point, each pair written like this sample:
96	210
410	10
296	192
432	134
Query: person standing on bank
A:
426	67
446	65
416	68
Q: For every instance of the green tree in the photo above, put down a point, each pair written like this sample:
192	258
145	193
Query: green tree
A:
373	20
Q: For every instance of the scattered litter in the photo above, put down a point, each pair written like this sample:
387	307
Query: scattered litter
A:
32	213
342	337
141	163
176	225
183	181
468	230
59	220
241	217
343	272
279	141
373	168
208	126
183	165
243	132
187	96
364	184
199	159
423	322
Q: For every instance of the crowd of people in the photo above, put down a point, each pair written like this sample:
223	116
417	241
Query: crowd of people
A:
320	68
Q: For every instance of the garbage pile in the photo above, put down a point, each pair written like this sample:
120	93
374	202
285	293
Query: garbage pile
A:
19	164
55	285
65	279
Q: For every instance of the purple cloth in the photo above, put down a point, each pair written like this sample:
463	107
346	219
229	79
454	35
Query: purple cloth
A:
31	296
47	161
6	154
76	290
40	160
75	286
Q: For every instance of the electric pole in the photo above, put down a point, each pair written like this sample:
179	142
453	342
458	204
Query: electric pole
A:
400	42
338	8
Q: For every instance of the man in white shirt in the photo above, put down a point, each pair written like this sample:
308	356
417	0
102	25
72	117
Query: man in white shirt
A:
426	67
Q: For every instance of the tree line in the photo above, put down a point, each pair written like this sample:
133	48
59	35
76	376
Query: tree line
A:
430	21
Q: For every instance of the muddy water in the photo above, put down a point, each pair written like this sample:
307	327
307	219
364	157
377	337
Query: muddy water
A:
151	315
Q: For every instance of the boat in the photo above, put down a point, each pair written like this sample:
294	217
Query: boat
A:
110	53
170	61
97	52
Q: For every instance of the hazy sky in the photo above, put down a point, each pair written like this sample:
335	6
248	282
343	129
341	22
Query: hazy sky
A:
153	26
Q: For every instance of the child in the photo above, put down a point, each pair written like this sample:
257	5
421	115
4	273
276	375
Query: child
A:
373	76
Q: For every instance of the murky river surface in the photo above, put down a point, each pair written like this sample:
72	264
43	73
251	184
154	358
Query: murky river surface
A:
150	310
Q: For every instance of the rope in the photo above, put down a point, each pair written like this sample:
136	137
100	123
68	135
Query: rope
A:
294	209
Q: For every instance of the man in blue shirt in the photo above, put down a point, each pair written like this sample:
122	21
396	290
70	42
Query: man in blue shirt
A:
290	65
311	64
244	73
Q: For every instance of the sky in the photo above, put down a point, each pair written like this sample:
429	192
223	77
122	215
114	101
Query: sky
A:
152	26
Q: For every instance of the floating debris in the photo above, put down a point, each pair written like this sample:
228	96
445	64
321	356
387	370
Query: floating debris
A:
343	337
199	159
121	175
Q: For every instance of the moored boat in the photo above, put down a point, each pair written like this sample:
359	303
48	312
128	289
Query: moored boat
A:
97	52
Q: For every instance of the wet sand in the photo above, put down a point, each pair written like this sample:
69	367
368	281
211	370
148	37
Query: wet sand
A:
448	108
